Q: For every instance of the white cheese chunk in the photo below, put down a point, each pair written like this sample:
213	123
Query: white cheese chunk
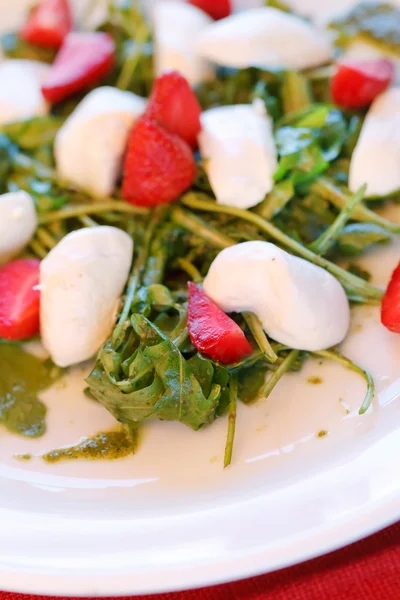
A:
81	282
90	146
20	90
176	28
376	157
298	303
238	148
18	222
264	37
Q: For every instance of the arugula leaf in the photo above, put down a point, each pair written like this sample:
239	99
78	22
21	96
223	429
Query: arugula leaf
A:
15	47
300	155
251	383
170	389
33	133
358	237
7	152
376	22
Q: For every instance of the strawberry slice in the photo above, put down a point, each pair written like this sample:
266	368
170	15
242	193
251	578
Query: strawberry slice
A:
83	60
19	302
390	313
159	165
48	24
357	83
174	106
217	9
212	332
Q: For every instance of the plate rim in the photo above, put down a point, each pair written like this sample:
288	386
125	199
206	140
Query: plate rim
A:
382	515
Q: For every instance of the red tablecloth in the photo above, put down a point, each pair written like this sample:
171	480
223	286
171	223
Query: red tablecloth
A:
366	570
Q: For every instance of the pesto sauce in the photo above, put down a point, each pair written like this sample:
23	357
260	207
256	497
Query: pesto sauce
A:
315	380
106	445
22	377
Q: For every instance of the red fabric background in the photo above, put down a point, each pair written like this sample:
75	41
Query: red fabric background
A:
366	570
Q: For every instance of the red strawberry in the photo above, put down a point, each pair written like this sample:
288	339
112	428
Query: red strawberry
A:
19	302
390	314
83	60
174	106
212	332
48	24
217	9
357	83
159	165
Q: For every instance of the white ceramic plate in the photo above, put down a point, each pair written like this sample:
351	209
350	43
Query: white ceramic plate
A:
171	517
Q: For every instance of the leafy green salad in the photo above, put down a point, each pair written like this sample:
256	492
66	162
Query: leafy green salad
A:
184	202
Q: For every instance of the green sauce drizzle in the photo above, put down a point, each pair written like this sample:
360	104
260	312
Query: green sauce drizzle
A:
106	445
22	377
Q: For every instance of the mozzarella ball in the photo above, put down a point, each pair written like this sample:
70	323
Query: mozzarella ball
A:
20	90
81	282
18	222
90	146
237	145
299	304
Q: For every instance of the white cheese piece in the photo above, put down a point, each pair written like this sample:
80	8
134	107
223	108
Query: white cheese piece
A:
18	222
176	28
20	90
238	148
81	282
264	37
90	146
298	303
376	157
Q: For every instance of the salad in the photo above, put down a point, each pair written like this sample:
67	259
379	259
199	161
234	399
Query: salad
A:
183	196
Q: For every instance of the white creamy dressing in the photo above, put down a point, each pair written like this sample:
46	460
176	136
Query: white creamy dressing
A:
376	158
20	90
299	304
176	28
238	148
90	146
18	222
264	37
81	282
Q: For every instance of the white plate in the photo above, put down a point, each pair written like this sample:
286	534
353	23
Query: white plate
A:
172	518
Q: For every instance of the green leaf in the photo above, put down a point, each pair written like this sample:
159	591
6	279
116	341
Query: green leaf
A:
301	156
14	47
33	133
171	390
357	237
375	22
251	383
7	151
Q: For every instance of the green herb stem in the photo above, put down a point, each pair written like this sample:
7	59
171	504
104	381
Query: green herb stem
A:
96	208
233	393
325	242
87	221
134	280
283	368
346	362
190	269
355	285
38	249
260	337
192	223
131	63
45	238
335	196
